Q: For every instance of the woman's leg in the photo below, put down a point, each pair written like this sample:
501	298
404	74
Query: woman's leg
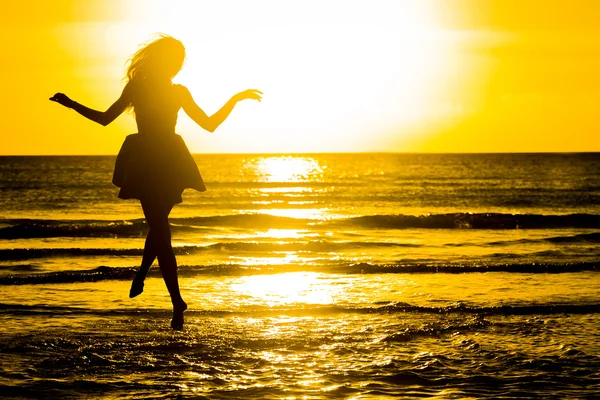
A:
158	221
137	286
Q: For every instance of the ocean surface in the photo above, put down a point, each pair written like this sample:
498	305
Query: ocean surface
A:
308	276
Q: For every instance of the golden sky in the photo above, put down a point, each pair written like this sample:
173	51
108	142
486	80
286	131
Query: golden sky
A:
413	75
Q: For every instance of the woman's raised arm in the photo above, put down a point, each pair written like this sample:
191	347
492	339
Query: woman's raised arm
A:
211	123
102	117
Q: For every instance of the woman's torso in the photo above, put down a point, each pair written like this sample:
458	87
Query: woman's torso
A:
156	106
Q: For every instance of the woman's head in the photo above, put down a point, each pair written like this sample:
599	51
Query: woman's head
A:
160	59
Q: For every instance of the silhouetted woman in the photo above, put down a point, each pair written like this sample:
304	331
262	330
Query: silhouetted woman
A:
155	165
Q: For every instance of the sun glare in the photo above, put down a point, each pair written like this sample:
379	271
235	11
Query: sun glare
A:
341	79
285	169
287	288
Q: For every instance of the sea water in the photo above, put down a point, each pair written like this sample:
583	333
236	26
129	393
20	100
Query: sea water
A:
308	276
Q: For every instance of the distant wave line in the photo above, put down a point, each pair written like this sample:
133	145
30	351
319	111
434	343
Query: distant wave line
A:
37	228
251	246
266	246
309	309
104	273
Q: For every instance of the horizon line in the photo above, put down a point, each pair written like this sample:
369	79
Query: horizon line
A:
327	153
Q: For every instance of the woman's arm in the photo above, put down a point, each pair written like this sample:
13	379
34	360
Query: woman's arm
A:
103	118
211	123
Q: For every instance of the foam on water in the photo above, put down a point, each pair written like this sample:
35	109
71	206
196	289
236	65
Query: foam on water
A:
359	345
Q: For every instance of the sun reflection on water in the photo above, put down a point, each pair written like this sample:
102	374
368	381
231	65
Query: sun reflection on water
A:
301	213
281	173
286	190
286	234
286	169
279	259
286	288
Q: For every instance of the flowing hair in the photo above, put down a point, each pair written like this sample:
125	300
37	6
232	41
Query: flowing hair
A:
162	57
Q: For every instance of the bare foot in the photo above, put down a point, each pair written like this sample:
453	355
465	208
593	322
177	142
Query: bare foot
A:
137	287
177	321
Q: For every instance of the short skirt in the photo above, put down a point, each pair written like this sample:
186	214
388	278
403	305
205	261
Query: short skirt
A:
156	169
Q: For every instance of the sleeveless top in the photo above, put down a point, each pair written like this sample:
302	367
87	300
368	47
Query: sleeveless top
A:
156	107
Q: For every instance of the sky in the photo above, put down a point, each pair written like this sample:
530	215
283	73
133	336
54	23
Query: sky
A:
337	76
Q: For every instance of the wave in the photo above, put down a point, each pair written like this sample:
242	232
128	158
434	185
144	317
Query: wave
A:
311	246
401	221
25	254
478	221
307	247
104	273
593	237
307	309
37	228
278	246
580	238
20	268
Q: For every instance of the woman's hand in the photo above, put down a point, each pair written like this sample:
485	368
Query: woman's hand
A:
250	94
62	99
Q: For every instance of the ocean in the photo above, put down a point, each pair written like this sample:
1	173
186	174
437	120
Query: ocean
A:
308	276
